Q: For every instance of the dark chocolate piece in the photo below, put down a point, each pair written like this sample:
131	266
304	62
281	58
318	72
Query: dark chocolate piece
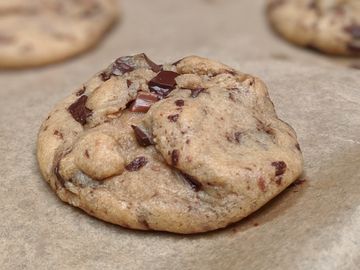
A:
163	83
175	157
142	138
280	167
136	164
180	102
121	66
105	75
143	102
154	67
79	111
173	117
195	184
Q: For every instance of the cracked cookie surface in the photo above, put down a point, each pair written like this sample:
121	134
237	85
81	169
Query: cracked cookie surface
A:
186	147
330	26
40	32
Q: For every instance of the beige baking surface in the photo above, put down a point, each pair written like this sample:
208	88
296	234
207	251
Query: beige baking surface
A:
312	226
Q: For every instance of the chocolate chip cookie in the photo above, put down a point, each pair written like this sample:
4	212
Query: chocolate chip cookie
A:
39	32
185	147
330	26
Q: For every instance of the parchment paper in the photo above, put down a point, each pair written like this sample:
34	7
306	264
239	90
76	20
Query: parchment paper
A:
315	225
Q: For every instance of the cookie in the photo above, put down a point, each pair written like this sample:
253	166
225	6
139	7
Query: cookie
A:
40	32
329	26
186	147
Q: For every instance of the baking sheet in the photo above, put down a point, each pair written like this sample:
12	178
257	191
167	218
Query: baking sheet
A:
315	225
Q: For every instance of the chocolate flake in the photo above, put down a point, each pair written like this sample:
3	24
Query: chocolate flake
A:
105	75
143	102
142	138
58	134
163	83
136	164
196	92
121	66
154	67
173	117
280	167
175	157
195	184
79	111
179	102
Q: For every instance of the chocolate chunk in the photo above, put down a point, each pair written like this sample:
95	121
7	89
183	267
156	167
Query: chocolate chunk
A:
179	102
196	92
175	157
142	138
105	75
163	83
143	102
79	111
195	184
154	67
280	167
136	164
58	134
121	66
60	179
173	118
81	91
353	30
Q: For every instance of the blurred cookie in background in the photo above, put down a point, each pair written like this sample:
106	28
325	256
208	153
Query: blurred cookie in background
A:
39	32
329	26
